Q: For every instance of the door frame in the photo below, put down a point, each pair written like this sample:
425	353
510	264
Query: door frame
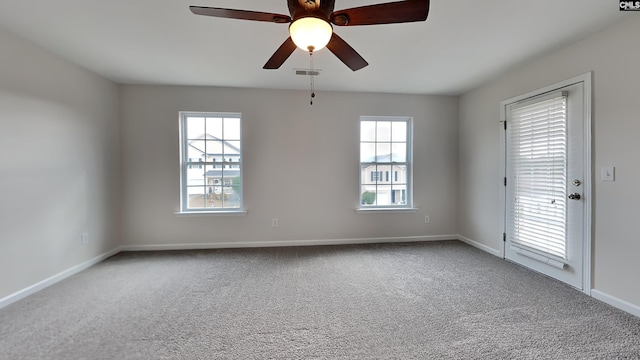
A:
586	80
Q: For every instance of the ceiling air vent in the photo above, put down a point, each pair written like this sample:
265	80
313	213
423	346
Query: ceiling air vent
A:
306	72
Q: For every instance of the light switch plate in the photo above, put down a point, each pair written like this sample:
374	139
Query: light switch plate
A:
608	173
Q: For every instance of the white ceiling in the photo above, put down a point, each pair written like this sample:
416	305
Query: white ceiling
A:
462	44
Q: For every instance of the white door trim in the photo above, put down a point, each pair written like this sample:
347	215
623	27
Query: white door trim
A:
588	191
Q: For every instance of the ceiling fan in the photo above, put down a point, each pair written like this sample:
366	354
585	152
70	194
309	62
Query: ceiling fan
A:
310	25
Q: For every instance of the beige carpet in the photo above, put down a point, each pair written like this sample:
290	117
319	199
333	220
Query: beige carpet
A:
436	300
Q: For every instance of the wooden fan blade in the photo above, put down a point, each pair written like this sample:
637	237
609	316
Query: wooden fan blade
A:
346	53
387	13
281	55
240	14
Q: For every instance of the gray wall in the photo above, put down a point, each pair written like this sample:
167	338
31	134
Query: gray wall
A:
613	56
59	165
300	166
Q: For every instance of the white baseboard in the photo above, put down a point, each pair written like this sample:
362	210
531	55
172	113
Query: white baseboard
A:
480	246
19	295
253	244
615	302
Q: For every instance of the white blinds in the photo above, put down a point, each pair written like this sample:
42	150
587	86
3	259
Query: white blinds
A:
536	165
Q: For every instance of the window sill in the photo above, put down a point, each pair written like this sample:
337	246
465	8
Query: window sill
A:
385	210
211	213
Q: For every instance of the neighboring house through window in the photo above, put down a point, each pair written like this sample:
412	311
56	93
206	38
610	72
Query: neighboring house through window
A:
209	141
385	148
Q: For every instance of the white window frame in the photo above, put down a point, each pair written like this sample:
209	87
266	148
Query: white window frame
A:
408	163
185	164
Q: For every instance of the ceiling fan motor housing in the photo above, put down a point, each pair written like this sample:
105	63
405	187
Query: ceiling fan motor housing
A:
322	9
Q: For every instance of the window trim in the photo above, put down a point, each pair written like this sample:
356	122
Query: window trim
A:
184	164
408	205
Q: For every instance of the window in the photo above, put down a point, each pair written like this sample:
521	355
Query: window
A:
207	139
385	147
376	175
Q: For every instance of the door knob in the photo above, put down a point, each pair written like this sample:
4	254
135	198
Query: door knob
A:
574	196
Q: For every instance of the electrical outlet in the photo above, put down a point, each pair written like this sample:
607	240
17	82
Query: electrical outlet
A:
426	219
274	222
84	239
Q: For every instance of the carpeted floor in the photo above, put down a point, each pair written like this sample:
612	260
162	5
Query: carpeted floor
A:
433	300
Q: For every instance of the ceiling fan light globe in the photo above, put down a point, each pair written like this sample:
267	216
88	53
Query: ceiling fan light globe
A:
310	33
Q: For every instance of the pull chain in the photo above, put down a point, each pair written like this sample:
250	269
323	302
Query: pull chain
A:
313	93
